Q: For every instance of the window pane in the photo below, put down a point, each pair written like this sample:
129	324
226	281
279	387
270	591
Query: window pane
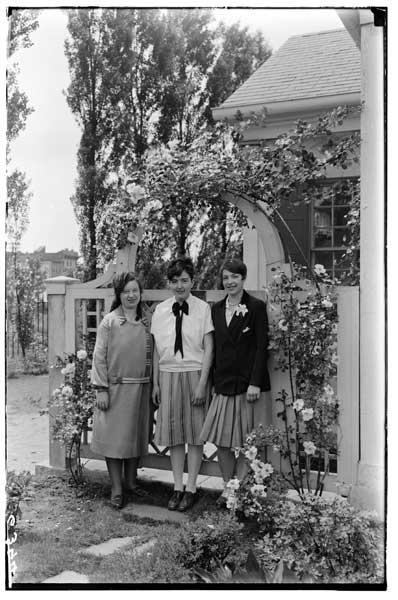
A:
339	261
324	258
339	215
322	238
341	237
322	217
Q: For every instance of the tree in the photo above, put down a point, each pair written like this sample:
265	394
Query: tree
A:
24	281
242	53
22	23
24	287
112	94
140	77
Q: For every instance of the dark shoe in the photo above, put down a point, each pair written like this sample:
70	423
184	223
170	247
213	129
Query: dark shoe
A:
175	500
117	501
221	502
187	502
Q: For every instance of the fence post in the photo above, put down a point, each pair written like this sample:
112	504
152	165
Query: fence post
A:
348	388
56	290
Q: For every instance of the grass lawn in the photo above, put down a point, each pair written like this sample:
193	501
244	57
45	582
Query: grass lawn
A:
58	520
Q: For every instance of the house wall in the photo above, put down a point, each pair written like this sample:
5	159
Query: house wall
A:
298	218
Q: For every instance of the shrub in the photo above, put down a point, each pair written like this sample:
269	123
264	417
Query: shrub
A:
262	485
72	407
210	540
36	357
330	540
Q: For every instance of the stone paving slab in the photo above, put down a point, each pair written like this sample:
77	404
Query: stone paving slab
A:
157	513
106	548
68	577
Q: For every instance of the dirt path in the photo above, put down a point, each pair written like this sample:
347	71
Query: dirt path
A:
27	431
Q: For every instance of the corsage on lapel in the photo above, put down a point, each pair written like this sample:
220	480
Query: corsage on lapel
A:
122	320
241	309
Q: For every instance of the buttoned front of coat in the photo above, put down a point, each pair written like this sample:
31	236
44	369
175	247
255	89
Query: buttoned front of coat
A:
241	348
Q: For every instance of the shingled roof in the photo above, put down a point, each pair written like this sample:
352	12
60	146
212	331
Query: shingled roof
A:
312	65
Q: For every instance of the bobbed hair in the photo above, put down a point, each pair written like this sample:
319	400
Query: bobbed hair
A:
177	266
234	265
119	282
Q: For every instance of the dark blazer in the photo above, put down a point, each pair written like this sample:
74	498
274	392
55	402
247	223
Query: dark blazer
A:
241	348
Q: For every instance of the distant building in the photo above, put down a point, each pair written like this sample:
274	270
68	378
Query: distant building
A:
54	264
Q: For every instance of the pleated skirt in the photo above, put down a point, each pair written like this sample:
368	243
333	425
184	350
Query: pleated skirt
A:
231	418
178	421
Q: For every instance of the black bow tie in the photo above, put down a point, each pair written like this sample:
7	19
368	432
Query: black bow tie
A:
178	310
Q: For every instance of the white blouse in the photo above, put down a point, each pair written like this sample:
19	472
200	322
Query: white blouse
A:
195	325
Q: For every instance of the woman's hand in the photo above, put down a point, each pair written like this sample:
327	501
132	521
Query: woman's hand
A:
199	395
253	393
156	395
102	399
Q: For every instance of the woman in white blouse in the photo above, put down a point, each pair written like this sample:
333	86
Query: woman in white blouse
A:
183	352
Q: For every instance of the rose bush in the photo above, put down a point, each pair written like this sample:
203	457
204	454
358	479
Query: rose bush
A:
71	406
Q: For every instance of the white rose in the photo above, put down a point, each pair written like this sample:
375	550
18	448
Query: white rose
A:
67	391
282	325
258	490
309	448
298	404
326	303
307	414
251	453
320	270
69	369
81	355
233	484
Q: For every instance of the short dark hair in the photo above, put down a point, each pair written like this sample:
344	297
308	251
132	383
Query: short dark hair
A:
177	266
235	265
119	282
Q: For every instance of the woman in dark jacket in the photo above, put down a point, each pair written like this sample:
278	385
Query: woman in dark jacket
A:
240	375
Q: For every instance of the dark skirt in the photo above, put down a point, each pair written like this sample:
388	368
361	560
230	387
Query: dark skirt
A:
231	418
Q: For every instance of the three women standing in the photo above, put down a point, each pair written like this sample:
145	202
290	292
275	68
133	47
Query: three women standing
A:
182	328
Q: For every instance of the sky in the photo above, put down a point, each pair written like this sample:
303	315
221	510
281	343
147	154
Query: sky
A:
46	149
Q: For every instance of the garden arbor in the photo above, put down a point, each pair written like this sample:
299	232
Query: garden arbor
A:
76	309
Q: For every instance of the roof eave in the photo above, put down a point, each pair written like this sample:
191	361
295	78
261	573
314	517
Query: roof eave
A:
288	106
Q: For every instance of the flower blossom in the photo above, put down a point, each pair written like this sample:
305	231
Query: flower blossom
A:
327	303
233	484
241	309
251	453
298	404
329	391
261	470
307	414
320	270
232	502
67	391
309	448
81	355
136	192
69	369
282	325
258	490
